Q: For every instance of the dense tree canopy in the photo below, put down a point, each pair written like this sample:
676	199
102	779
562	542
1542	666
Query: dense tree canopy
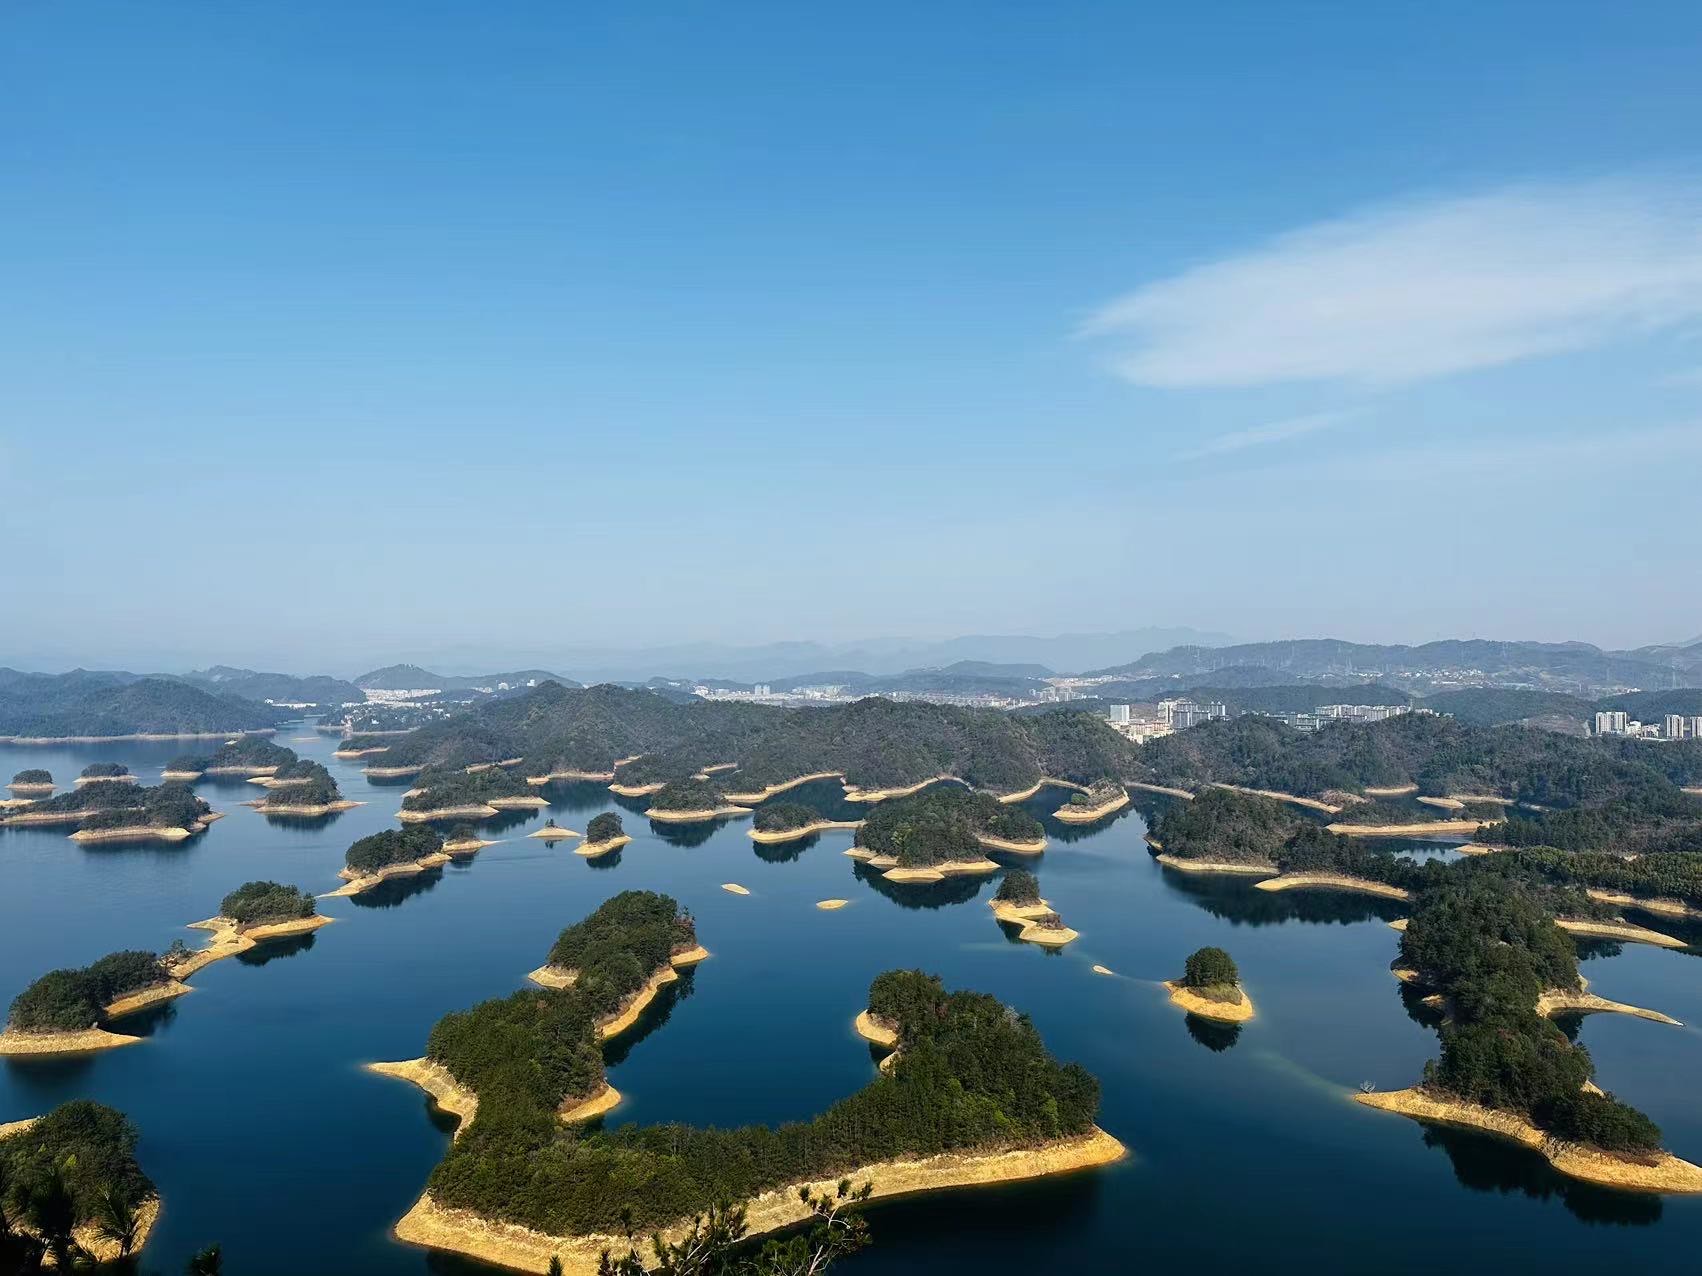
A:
81	1158
33	775
1019	886
1210	968
71	1000
443	788
104	771
604	827
263	903
392	846
942	822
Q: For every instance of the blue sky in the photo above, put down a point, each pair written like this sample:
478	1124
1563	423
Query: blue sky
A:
342	330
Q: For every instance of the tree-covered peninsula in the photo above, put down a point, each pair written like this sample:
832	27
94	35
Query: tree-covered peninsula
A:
971	1078
32	780
74	1195
604	830
944	824
249	755
266	904
445	792
390	848
75	1000
98	771
640	738
302	788
112	812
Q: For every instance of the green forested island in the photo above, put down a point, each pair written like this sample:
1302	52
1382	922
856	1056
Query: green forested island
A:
942	823
71	1000
104	807
105	771
447	788
266	903
779	817
689	795
251	754
75	1195
947	1091
603	828
379	851
874	743
302	786
109	705
32	777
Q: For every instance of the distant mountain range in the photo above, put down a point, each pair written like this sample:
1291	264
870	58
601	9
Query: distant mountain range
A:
1567	666
414	678
281	688
114	703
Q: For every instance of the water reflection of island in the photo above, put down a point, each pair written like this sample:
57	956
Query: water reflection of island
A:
1487	1164
393	891
1235	900
274	950
303	823
685	834
651	1019
578	795
940	894
1216	1037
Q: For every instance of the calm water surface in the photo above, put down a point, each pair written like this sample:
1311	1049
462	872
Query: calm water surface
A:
264	1134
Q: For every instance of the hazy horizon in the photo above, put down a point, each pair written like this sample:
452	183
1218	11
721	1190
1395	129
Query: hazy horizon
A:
343	334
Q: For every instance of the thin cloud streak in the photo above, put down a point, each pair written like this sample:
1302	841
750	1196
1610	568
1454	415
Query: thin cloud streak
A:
1425	289
1263	435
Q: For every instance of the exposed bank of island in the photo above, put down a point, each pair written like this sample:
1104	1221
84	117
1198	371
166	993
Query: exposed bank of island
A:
1093	803
1224	830
32	782
94	1203
390	853
940	832
249	756
553	832
443	793
121	812
105	772
520	1186
253	914
1485	941
690	801
789	821
303	789
463	839
1210	987
638	739
1017	903
635	925
69	1011
602	835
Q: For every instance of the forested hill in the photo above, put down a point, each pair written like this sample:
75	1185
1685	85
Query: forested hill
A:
414	678
95	704
1441	755
283	688
874	743
1556	666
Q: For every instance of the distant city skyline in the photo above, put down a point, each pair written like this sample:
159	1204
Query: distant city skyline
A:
343	333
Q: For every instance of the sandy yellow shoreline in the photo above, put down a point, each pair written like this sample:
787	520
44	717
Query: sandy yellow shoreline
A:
1032	847
591	850
555	977
1294	799
769	837
118	739
769	790
351	754
528	802
538	781
1161	788
31	790
691	817
1216	866
1331	881
1423	828
507	1245
227	940
284	808
89	1040
130	1004
1664	907
875	1030
83	781
895	872
831	905
392	772
733	888
554	832
447	1094
605	1100
1389	790
1222	1011
240	770
1442	803
357	884
1087	815
136	833
272	782
482	811
49	817
1581	1001
1618	930
466	846
1668	1174
637	790
181	777
855	794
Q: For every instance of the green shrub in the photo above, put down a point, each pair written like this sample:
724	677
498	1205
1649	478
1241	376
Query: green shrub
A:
1210	968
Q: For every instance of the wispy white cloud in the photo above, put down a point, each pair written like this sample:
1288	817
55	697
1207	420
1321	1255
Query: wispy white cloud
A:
1423	289
1262	435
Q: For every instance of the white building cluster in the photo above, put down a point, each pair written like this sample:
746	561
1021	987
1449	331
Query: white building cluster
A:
1675	726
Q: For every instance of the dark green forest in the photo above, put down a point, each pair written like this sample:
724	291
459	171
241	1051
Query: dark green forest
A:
942	822
392	846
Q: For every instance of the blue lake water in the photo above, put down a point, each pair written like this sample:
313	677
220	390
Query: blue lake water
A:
265	1135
